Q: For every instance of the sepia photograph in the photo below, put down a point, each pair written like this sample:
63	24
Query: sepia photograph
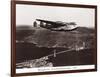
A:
54	38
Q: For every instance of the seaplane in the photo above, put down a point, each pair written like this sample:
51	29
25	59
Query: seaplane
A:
57	25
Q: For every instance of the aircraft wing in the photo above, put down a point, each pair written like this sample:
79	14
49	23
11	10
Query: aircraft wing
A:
51	22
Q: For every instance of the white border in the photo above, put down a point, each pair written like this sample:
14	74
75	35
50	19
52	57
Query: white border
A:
61	68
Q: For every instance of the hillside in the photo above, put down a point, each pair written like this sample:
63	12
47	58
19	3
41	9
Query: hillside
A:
47	38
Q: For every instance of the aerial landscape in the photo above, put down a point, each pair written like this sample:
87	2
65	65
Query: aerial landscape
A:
42	47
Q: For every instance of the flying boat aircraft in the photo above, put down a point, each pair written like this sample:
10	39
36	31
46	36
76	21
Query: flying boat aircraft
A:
57	25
